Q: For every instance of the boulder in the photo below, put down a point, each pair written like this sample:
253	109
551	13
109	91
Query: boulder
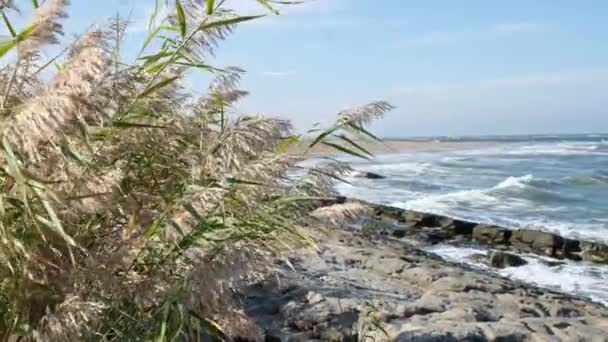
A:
435	236
543	242
430	220
571	249
458	227
491	234
411	218
594	252
500	259
383	211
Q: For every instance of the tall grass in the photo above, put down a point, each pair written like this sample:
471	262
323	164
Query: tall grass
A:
130	207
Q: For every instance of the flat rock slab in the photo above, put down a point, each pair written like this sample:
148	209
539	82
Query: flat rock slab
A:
360	287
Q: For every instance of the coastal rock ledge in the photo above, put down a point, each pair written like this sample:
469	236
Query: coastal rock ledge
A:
372	287
374	281
445	229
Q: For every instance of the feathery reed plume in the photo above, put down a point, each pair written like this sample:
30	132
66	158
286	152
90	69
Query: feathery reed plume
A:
46	28
245	140
84	69
67	321
319	180
365	114
44	118
204	43
342	213
224	90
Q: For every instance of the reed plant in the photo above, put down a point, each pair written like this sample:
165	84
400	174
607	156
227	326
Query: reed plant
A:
130	208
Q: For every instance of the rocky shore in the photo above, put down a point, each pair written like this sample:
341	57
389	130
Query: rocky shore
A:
374	282
435	228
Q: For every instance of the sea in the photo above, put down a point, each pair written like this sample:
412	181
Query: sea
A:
555	183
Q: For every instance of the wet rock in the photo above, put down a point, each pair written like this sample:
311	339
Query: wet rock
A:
457	230
491	234
429	220
480	258
594	252
500	259
399	233
368	175
436	236
458	227
411	218
542	242
553	263
570	250
396	214
271	337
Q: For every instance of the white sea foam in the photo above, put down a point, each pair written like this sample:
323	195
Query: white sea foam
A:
473	197
579	149
518	182
582	279
410	168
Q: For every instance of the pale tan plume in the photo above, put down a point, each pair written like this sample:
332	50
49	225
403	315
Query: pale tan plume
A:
43	119
47	27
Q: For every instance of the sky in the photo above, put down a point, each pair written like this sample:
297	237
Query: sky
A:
470	67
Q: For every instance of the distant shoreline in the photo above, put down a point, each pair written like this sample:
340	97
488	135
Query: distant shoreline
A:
398	146
507	137
447	143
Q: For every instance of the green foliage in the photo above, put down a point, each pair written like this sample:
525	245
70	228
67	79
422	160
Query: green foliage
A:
7	46
127	203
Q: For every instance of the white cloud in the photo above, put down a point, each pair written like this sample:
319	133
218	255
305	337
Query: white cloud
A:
434	38
513	82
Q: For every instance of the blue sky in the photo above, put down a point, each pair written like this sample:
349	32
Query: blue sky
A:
450	67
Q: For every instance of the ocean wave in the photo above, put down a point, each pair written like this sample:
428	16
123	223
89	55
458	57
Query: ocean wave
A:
414	168
595	179
513	194
460	198
464	163
553	192
603	146
598	177
515	182
492	194
563	149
